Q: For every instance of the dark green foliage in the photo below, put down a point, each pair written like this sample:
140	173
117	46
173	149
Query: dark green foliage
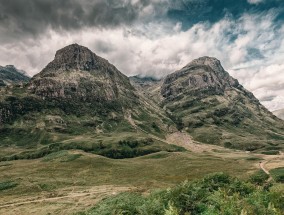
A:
46	187
134	148
23	137
7	185
215	194
259	178
278	174
119	150
272	152
177	120
254	159
228	145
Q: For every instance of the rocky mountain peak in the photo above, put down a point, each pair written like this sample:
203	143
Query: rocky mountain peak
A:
202	73
77	72
75	57
212	62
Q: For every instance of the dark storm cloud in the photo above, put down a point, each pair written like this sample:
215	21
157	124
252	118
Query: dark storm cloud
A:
30	18
19	18
190	12
153	37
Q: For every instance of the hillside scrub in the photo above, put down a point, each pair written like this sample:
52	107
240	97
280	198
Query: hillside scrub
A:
213	195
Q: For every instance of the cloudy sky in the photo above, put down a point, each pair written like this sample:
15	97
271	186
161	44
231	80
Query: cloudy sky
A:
153	37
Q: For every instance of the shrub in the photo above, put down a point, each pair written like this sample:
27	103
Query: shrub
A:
7	185
278	174
259	178
213	195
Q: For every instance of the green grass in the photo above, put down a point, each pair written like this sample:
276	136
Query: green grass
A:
159	155
278	174
62	156
154	171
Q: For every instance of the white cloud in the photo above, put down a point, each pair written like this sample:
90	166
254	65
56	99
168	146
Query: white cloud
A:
255	1
250	48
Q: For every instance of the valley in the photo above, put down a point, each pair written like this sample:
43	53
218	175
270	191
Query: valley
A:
58	184
80	132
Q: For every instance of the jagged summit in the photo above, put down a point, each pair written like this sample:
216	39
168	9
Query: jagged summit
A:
201	73
78	73
205	60
75	57
215	108
212	62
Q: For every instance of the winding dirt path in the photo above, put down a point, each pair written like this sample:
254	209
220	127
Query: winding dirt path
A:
98	192
262	166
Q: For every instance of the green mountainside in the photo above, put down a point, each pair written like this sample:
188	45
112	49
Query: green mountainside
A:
204	100
81	98
82	138
81	101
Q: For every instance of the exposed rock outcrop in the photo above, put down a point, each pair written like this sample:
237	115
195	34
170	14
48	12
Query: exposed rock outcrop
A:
211	105
78	73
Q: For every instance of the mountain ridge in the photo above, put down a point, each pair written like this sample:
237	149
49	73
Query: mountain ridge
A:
11	75
214	108
80	93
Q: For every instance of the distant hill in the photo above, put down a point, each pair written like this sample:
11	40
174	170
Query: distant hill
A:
279	113
11	75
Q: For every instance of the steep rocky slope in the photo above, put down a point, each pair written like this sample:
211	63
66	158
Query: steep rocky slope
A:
77	73
81	96
11	75
78	93
214	108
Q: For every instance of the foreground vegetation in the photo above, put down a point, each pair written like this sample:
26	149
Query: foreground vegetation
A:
213	195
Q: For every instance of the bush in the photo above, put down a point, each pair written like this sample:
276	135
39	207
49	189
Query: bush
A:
272	152
278	174
259	178
7	185
213	195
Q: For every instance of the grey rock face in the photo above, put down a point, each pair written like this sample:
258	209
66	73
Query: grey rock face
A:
78	73
201	73
210	104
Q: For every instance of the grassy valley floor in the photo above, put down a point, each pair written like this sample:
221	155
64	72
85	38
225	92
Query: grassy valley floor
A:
66	182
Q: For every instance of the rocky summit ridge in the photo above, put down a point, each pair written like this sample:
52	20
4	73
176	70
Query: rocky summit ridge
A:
78	73
80	93
214	108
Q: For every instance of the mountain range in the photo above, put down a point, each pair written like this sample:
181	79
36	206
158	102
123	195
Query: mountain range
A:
11	75
80	100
